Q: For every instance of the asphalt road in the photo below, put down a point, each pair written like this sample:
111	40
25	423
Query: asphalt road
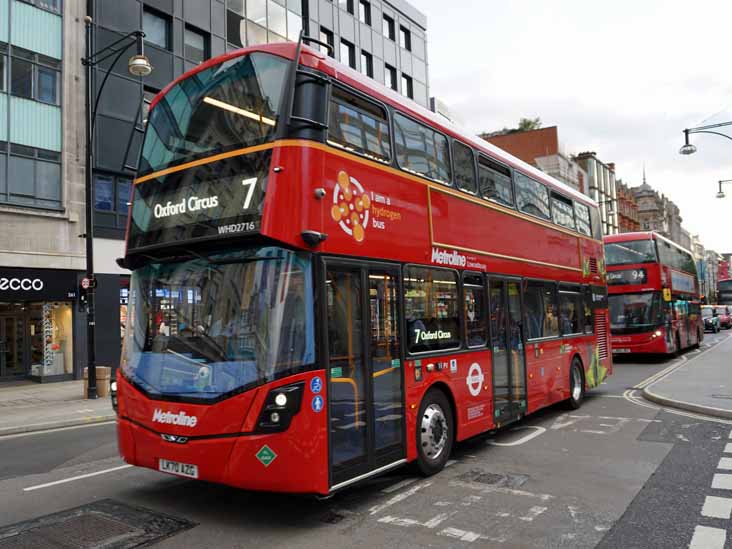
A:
616	473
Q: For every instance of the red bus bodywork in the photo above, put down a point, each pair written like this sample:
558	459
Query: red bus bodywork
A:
415	221
680	329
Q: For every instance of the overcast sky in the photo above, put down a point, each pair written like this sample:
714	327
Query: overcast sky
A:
622	78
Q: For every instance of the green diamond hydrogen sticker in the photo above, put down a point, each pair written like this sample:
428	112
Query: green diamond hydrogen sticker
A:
266	455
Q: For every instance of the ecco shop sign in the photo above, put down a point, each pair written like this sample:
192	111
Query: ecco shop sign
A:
21	284
37	284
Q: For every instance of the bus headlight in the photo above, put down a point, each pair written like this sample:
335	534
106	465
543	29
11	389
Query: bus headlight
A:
658	333
113	394
281	405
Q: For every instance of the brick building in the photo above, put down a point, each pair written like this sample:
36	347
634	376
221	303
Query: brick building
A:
627	209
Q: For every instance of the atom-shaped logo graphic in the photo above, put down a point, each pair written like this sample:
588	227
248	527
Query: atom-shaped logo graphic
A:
351	206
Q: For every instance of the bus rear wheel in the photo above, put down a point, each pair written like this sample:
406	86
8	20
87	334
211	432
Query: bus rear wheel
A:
435	432
576	385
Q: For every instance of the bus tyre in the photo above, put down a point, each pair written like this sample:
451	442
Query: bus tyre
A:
576	385
435	432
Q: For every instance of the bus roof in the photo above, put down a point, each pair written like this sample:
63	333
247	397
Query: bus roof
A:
642	235
314	58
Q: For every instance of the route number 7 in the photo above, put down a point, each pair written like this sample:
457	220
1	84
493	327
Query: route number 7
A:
251	183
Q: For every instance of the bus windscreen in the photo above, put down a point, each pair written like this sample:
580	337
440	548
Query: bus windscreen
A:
634	313
207	326
630	252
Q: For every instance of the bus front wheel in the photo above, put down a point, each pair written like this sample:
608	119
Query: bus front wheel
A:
576	385
435	432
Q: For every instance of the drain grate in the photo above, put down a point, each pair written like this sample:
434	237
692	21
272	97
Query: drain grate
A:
507	480
106	523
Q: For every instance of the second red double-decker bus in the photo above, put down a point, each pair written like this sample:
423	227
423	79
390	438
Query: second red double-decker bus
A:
329	281
654	294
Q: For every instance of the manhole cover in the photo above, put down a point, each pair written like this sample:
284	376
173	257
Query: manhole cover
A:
107	523
507	480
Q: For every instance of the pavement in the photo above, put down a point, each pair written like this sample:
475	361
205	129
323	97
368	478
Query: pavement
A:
700	384
26	406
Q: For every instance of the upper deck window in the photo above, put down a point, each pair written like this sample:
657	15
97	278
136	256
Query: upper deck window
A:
495	181
359	125
582	216
464	167
228	106
532	197
632	251
562	213
422	150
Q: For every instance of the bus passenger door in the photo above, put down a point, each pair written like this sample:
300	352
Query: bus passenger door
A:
365	388
506	336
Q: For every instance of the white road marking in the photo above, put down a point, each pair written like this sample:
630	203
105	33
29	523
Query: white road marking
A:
462	535
715	507
78	477
398	498
708	538
46	431
728	448
450	463
722	481
399	485
534	512
487	488
526	438
725	463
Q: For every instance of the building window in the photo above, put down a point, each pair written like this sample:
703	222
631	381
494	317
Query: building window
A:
30	177
34	76
390	77
277	19
364	12
156	28
327	37
348	54
111	196
367	64
147	96
347	5
388	27
54	6
3	65
407	86
405	39
196	45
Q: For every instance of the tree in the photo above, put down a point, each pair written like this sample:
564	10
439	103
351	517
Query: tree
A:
528	124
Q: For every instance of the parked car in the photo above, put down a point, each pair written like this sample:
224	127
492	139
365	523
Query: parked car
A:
711	319
725	316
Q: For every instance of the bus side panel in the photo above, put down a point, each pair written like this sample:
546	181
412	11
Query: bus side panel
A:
467	379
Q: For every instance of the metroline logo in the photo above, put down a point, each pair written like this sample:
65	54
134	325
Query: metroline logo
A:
443	257
174	419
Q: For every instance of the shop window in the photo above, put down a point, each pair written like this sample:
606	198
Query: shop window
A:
51	339
431	309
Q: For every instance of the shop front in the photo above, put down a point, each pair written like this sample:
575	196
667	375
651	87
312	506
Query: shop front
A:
38	324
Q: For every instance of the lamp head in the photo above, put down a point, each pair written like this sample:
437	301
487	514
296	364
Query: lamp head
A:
688	148
139	65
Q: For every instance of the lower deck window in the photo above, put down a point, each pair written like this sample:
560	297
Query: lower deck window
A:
431	309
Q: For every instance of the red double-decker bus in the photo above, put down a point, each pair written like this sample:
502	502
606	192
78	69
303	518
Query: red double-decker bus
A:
330	281
724	291
654	294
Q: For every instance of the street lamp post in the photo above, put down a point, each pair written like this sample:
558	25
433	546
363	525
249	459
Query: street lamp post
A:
138	65
720	193
688	148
